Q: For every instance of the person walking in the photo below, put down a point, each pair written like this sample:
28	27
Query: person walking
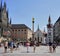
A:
54	46
5	46
27	44
34	47
50	47
11	46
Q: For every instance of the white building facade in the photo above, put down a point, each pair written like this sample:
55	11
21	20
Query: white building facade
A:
39	36
49	31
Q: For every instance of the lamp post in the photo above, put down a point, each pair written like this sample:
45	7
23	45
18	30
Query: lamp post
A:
34	39
33	30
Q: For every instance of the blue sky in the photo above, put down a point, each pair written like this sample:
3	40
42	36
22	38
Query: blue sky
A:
22	11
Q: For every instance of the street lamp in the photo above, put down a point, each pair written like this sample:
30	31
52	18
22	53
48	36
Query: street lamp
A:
33	30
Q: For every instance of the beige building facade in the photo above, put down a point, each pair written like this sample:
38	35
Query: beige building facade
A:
21	32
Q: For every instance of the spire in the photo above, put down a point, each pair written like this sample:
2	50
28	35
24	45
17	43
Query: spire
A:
7	13
49	20
10	20
38	27
0	10
5	5
44	29
0	3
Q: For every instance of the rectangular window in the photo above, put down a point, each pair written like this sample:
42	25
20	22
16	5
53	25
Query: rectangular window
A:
49	33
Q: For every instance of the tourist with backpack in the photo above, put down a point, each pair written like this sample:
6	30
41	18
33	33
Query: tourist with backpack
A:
11	45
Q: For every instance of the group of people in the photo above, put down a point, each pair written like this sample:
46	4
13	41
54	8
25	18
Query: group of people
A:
52	47
11	45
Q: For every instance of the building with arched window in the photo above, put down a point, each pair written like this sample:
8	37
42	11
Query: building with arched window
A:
49	31
40	36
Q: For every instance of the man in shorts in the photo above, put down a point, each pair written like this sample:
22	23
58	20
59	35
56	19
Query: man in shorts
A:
5	46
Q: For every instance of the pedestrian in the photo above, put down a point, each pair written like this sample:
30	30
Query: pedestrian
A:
5	46
54	46
27	44
8	44
17	45
50	47
14	45
34	48
0	44
11	45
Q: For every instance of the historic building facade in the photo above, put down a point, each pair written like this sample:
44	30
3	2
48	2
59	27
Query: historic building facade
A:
56	30
21	32
40	37
49	31
5	25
